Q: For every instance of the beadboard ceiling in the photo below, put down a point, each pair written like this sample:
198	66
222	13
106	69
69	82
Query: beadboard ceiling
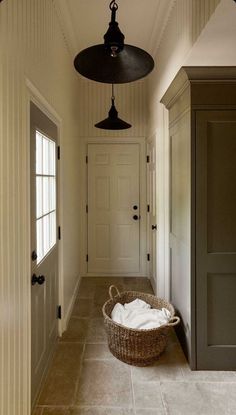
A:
84	22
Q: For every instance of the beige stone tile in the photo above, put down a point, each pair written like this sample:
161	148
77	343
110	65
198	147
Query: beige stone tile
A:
101	295
97	351
105	383
182	398
55	411
148	396
83	307
207	376
150	411
167	367
97	311
137	284
76	331
60	384
37	411
87	288
96	331
91	410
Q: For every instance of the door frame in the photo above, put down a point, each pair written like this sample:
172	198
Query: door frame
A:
150	140
83	200
34	95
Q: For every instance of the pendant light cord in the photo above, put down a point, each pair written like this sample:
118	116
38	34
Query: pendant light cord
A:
112	93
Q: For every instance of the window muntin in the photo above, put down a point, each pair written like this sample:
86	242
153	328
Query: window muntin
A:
45	195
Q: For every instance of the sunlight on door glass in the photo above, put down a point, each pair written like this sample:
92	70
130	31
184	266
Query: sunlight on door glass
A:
45	195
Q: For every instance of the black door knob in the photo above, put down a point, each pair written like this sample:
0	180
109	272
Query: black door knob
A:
135	207
135	217
40	279
154	226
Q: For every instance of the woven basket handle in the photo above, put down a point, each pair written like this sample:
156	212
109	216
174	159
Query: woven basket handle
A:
110	291
174	321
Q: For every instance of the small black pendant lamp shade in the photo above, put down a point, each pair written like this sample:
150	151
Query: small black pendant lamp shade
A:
113	122
114	62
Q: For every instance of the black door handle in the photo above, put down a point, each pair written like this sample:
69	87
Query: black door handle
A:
40	279
135	217
135	207
154	227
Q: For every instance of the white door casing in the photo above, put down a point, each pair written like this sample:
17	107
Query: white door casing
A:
152	219
114	208
44	293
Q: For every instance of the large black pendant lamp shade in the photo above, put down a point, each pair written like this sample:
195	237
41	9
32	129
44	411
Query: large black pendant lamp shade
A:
114	62
113	122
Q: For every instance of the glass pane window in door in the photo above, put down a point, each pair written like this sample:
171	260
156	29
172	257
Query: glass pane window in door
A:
45	194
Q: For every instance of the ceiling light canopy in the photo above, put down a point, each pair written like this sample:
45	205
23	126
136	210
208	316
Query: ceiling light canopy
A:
113	122
114	62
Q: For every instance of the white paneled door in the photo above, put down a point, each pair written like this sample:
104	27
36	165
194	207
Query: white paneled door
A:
44	250
113	208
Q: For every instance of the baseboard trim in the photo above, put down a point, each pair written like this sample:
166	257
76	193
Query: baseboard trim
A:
71	305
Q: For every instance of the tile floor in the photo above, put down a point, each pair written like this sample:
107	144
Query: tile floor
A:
85	379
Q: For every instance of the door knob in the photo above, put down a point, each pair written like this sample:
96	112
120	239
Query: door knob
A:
135	217
40	279
154	227
135	207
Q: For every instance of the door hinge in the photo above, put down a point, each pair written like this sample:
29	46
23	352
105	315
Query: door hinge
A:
87	258
148	159
59	233
148	208
86	159
58	152
86	208
148	257
59	312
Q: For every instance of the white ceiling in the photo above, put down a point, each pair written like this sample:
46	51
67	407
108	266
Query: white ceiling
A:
86	21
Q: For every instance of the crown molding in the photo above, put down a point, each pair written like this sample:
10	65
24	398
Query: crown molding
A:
162	17
64	18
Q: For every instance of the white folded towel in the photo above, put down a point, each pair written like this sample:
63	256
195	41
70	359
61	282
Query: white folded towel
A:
139	315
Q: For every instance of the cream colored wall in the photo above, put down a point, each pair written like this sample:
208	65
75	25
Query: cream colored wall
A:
185	22
32	46
130	102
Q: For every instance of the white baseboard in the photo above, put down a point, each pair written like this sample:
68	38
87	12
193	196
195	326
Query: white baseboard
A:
71	305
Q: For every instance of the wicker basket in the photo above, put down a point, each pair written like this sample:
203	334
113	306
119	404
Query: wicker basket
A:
133	346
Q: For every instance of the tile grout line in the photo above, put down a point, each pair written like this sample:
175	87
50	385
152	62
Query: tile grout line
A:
132	388
163	401
79	374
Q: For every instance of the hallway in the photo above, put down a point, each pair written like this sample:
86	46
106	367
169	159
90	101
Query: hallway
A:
85	379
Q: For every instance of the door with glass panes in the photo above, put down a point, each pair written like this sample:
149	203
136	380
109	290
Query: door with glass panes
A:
44	249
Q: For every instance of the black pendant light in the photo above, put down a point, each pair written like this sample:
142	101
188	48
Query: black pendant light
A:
114	62
113	122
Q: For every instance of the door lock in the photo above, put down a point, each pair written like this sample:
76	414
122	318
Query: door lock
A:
40	279
135	217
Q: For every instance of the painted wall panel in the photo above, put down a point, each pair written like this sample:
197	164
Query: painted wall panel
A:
33	47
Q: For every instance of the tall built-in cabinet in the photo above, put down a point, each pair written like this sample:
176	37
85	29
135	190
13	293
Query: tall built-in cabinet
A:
202	124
